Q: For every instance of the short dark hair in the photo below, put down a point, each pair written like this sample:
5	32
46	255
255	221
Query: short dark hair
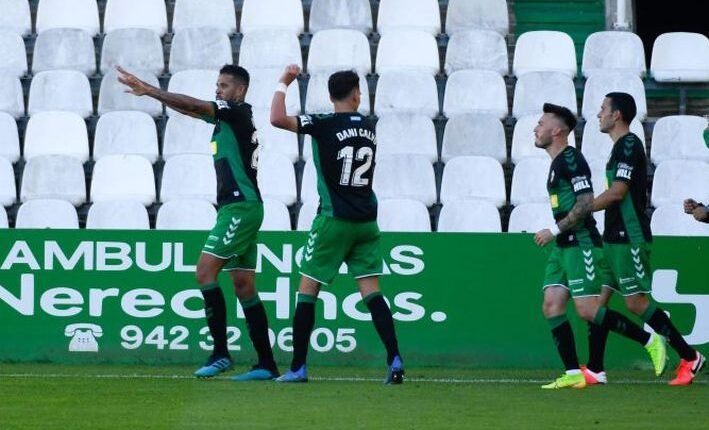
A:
342	83
563	113
237	72
623	103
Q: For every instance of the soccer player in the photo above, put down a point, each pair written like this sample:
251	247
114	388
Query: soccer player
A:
576	265
231	245
345	228
627	233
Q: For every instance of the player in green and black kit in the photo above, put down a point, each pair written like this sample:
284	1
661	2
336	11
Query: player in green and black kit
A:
345	228
627	233
231	245
576	267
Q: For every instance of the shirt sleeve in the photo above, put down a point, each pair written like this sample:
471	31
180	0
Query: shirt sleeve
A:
306	124
579	174
229	111
626	159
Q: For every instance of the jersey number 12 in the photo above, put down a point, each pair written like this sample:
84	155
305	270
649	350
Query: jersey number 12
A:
348	156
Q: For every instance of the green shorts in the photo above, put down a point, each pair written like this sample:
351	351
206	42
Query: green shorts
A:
630	264
332	241
233	237
582	271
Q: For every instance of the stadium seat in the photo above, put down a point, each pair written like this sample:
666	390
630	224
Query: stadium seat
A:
275	216
619	51
533	89
469	216
339	49
199	83
276	178
3	218
272	139
280	15
597	146
14	57
67	90
308	183
9	138
523	140
529	181
477	49
132	49
600	84
679	137
407	134
268	49
64	48
670	220
186	135
475	91
405	177
544	51
419	15
112	96
186	215
117	215
318	95
676	180
600	219
408	50
471	134
598	176
16	17
403	215
81	14
123	177
406	92
11	98
680	57
306	215
8	192
349	14
463	15
261	86
530	218
489	183
220	14
124	14
200	48
47	213
54	177
189	176
127	132
56	133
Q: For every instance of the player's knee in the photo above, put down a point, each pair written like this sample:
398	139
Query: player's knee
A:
551	308
586	313
636	303
204	275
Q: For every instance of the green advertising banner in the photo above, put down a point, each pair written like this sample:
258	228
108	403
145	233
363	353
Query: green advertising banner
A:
469	300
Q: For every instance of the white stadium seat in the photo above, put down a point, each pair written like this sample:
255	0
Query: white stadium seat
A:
619	51
488	185
406	92
529	181
81	14
113	97
477	49
275	140
680	57
407	134
189	176
465	15
132	49
306	215
600	84
472	134
544	51
67	90
318	95
220	14
419	15
403	215
597	146
118	215
679	137
47	213
3	218
276	178
14	57
469	216
150	14
523	140
186	215
275	216
57	133
200	84
598	176
677	180
308	183
475	91
200	48
536	88
408	50
530	218
670	220
268	49
405	177
599	217
261	85
11	98
126	132
186	135
16	17
123	177
9	138
8	193
349	14
280	15
64	48
339	49
54	177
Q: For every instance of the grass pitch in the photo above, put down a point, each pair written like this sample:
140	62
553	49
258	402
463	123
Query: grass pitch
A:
50	396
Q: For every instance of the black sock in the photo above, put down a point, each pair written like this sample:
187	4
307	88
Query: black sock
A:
597	337
661	323
564	340
620	324
215	309
257	324
303	323
384	323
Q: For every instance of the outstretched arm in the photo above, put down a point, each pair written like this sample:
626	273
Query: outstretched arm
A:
581	209
279	117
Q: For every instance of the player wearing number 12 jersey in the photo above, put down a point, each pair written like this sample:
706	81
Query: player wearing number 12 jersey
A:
345	228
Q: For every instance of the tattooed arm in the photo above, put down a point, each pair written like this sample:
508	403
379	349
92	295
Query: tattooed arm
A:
582	209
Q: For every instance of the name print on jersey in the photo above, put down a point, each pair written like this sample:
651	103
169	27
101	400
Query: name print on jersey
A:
355	132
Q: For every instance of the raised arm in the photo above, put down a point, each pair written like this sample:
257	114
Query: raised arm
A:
279	117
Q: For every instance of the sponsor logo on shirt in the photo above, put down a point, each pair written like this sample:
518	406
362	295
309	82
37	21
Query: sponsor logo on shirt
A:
624	171
222	104
305	120
580	183
213	147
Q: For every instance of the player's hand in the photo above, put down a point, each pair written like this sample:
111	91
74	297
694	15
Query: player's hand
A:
700	213
543	237
690	205
137	87
290	74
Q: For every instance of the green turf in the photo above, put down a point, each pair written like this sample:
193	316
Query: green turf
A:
79	397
